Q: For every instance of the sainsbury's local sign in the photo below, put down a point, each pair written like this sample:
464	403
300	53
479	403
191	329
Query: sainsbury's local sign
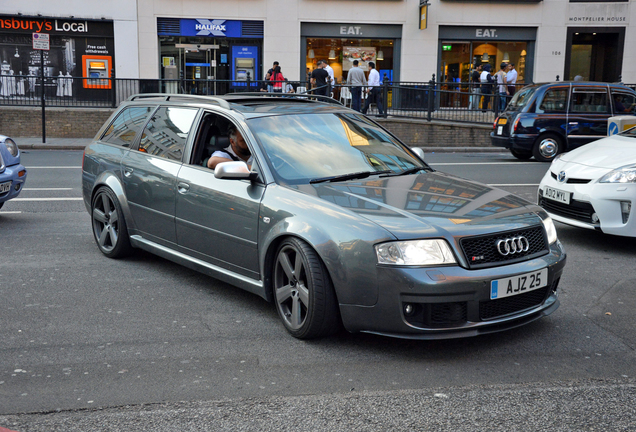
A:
22	24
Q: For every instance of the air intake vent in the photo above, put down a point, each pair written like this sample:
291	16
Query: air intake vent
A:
252	29
168	26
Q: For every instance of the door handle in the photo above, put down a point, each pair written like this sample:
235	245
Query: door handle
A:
183	187
128	172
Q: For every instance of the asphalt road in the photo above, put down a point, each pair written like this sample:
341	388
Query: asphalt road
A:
88	343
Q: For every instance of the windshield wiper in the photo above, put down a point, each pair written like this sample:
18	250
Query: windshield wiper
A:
406	172
351	176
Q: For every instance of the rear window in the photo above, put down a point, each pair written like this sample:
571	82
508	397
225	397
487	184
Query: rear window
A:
521	99
124	128
589	101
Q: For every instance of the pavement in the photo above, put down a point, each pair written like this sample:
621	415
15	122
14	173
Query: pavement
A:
35	143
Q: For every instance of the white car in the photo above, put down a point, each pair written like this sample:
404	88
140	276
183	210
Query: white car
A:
594	186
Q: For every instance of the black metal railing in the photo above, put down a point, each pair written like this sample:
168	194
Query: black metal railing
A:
432	100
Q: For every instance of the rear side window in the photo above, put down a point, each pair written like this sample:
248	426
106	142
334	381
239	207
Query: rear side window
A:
166	133
624	103
589	101
124	128
555	100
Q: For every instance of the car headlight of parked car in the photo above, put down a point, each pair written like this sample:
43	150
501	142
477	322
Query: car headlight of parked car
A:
626	174
11	146
415	253
550	229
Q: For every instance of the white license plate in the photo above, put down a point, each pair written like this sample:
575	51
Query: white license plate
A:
556	195
4	187
518	284
500	130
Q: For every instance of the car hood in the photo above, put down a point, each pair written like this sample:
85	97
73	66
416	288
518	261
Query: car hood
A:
430	204
611	152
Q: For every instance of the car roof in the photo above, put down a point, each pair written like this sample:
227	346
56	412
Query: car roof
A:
582	84
249	104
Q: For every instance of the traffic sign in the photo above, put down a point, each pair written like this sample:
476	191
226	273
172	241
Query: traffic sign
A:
41	41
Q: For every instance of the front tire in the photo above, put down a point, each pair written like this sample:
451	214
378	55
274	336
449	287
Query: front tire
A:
109	226
303	292
547	147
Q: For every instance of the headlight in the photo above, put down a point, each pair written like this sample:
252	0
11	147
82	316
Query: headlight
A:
550	229
11	146
626	174
415	253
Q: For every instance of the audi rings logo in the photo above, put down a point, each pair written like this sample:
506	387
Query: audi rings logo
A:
514	245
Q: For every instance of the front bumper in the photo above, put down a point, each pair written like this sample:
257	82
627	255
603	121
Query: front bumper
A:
452	302
593	205
11	174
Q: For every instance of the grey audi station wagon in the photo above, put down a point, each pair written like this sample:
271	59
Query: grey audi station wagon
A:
332	218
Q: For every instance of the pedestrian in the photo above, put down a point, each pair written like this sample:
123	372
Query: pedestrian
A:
332	80
475	90
356	79
268	76
511	77
319	79
277	80
374	92
486	86
502	86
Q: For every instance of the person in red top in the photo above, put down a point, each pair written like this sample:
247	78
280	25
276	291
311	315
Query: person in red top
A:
277	80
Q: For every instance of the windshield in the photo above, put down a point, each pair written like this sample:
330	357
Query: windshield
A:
521	99
305	147
629	133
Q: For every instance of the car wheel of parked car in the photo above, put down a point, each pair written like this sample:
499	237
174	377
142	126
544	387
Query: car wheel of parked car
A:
109	225
521	156
304	295
547	147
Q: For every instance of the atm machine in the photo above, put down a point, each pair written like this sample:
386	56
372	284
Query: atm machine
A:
96	71
244	62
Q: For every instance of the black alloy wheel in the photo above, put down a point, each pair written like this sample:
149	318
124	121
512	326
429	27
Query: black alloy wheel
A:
109	225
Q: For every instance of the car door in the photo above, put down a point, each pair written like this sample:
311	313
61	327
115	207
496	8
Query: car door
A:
587	116
150	172
217	219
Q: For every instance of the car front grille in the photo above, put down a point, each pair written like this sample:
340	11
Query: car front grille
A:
572	180
491	309
438	315
481	251
577	210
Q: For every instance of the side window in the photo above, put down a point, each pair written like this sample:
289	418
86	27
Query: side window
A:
124	128
555	100
166	133
624	103
589	101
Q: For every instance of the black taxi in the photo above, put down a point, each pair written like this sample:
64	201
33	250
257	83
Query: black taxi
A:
543	120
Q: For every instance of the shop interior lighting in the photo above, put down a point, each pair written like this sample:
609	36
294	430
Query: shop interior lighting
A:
523	52
332	54
380	55
485	58
17	54
506	58
312	54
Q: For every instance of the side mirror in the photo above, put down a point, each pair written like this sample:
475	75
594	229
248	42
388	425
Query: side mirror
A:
418	151
234	170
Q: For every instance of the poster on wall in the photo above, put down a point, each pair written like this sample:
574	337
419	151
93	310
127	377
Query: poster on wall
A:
363	54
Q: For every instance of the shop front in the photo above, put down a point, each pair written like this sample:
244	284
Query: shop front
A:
342	43
78	64
196	50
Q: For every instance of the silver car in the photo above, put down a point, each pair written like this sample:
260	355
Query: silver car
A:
327	215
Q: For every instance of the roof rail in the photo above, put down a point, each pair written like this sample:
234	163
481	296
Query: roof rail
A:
294	96
168	96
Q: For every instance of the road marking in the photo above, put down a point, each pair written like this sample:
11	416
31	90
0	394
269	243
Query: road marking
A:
53	167
47	199
9	212
46	189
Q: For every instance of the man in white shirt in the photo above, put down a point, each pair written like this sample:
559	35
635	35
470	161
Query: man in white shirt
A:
374	92
511	78
329	70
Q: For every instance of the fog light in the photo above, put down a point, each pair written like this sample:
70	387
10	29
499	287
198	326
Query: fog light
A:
17	186
408	309
594	218
626	208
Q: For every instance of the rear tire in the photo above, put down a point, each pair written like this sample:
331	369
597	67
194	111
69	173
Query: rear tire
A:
520	155
547	147
304	295
109	226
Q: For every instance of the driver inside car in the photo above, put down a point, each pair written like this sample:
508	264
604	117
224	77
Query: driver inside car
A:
236	151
